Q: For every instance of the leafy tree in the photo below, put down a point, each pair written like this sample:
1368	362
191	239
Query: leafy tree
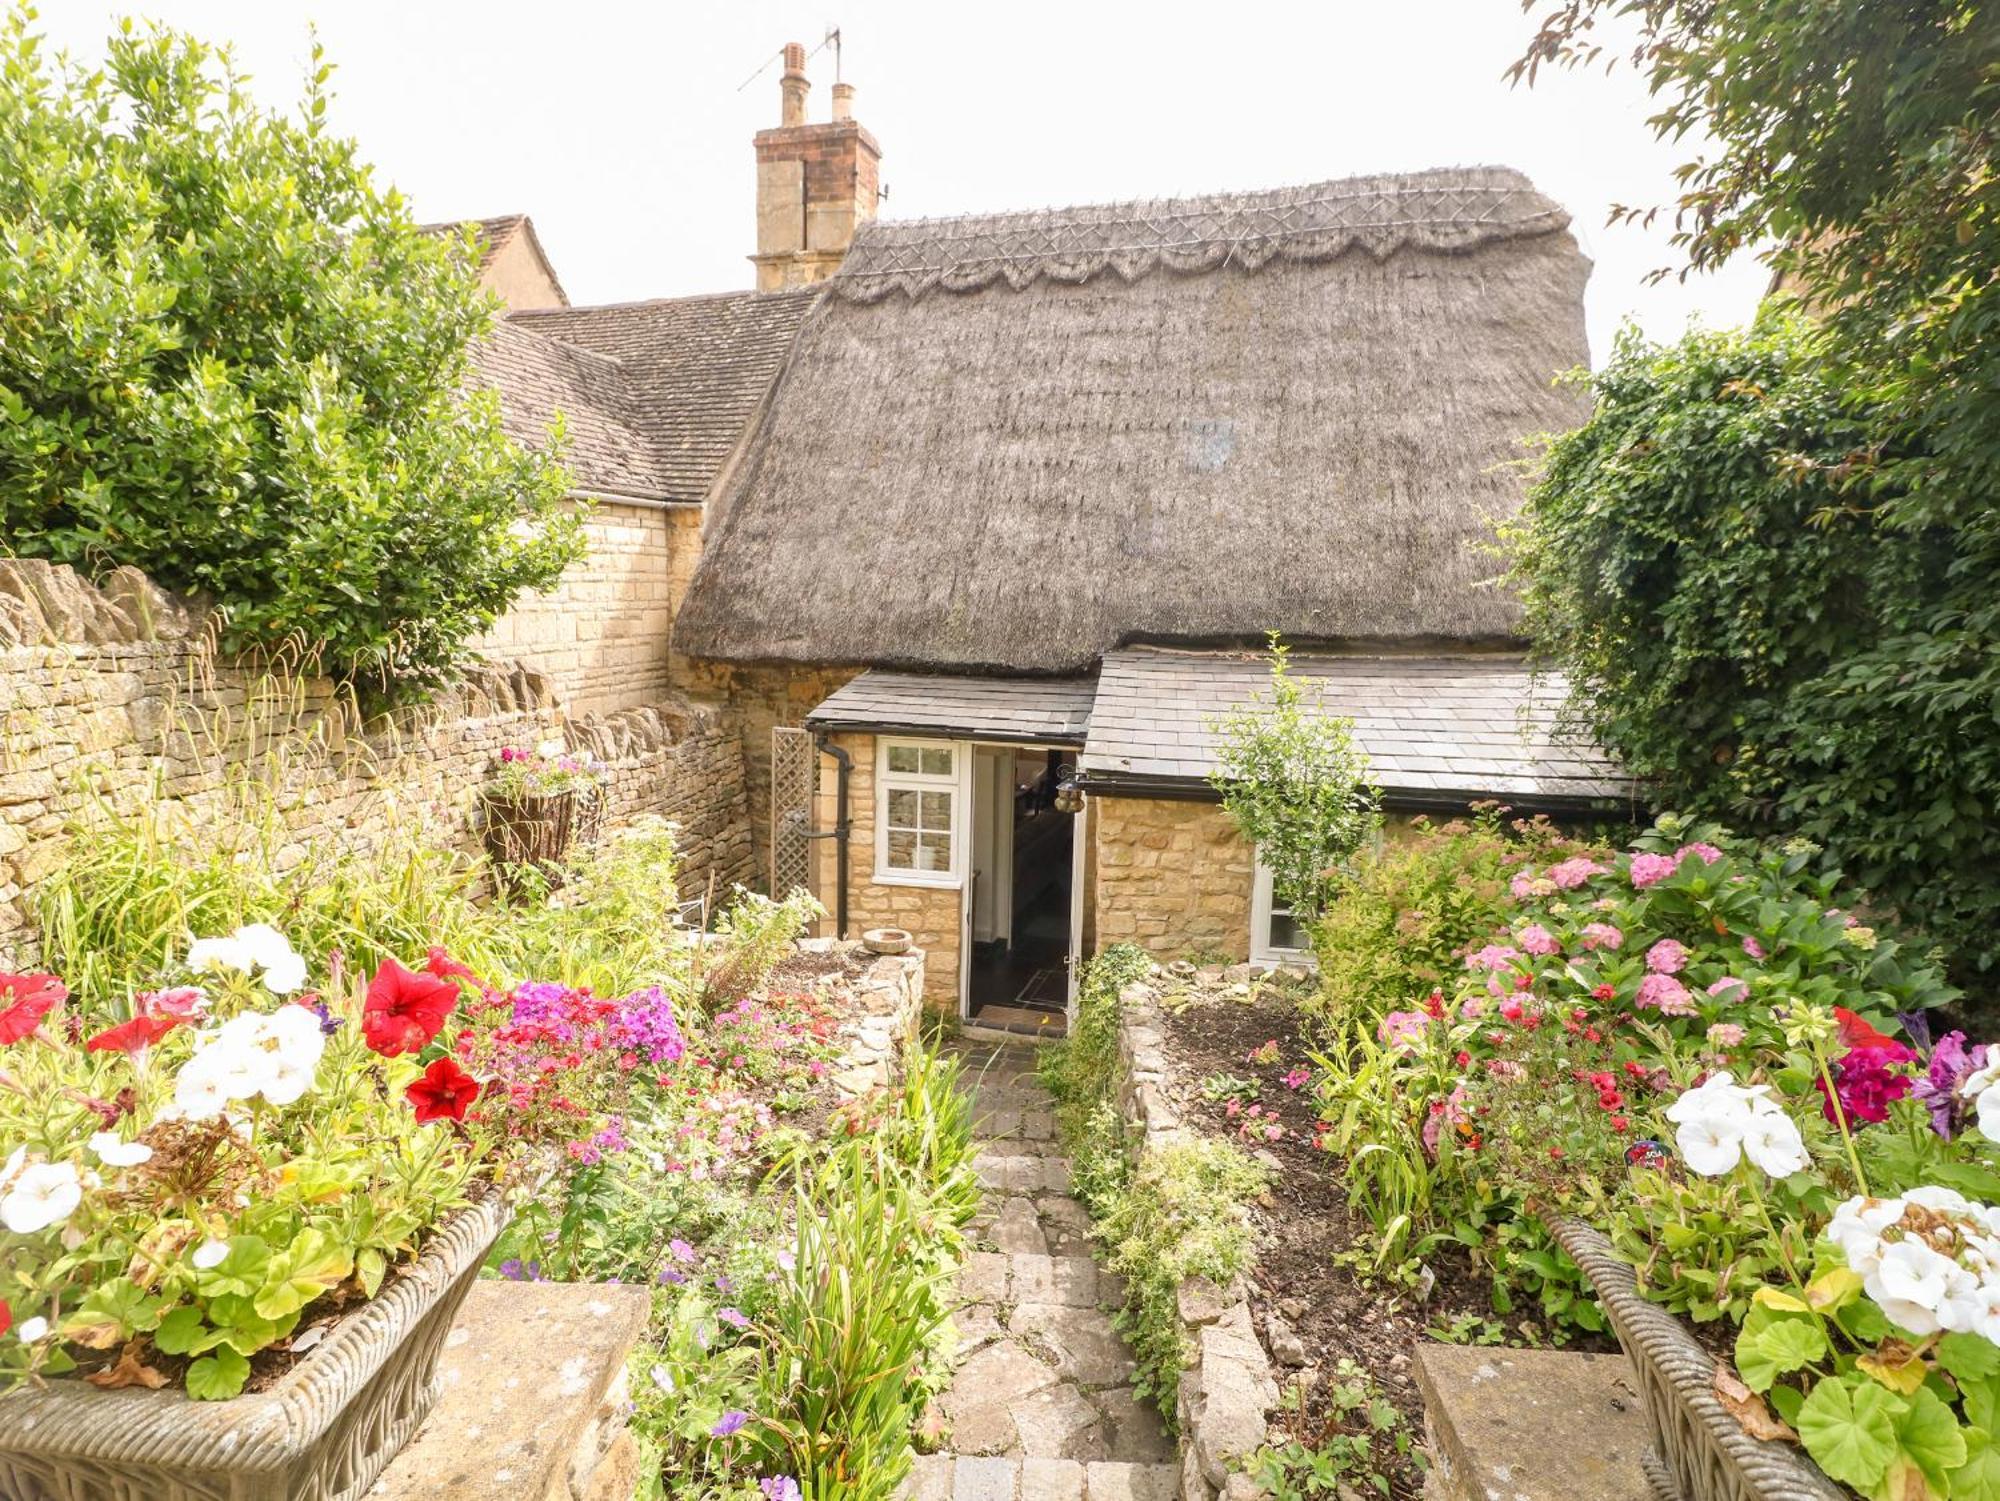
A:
1853	472
233	360
1297	786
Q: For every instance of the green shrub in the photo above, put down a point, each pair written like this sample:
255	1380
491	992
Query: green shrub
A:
233	360
1080	1070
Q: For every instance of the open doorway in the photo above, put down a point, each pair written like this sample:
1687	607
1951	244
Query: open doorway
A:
1019	900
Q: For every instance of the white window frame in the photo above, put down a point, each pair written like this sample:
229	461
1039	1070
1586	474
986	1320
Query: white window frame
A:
953	784
1263	907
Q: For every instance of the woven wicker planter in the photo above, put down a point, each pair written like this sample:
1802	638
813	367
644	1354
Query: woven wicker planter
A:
324	1432
523	832
1700	1452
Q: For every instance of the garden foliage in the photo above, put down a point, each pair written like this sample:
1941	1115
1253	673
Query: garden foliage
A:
234	361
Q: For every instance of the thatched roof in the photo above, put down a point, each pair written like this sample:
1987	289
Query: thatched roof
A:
1013	443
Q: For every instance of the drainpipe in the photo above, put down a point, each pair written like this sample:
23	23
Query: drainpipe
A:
841	827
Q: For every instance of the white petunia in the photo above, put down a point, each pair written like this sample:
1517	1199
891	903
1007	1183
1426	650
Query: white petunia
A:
549	750
32	1330
211	954
1979	1081
1987	1103
1857	1228
293	1033
1711	1144
114	1152
1717	1096
199	1093
43	1195
283	970
210	1254
1772	1141
1909	1284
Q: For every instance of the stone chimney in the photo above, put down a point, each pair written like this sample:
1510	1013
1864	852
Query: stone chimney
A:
815	184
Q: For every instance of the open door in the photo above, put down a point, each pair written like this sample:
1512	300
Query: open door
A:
1019	902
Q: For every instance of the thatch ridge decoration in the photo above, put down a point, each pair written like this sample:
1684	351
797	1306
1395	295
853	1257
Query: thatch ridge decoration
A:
1450	211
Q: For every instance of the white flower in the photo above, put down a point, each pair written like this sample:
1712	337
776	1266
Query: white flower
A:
1710	1144
1772	1141
43	1195
1979	1081
549	750
32	1330
210	954
113	1152
199	1092
1987	1102
284	971
1857	1228
210	1254
1718	1098
1962	1305
1909	1285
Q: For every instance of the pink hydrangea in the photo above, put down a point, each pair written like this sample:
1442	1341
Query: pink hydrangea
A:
1728	983
1650	870
1403	1029
1601	935
1753	948
1667	957
1493	956
1537	939
1666	994
1726	1034
1522	886
1708	852
1472	1007
1572	873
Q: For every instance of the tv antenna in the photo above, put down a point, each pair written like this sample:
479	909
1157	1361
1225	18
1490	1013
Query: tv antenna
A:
831	39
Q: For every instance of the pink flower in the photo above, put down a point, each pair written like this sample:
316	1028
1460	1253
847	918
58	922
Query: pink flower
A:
1493	956
1728	983
1601	935
1571	874
1403	1029
1667	957
1753	948
1472	1007
1523	886
1298	1078
1650	870
1667	994
1512	1009
1537	939
1708	852
1726	1034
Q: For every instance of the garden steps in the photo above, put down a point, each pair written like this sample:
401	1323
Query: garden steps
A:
1042	1406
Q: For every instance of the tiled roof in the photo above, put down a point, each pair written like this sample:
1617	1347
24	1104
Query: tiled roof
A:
494	235
610	446
696	368
1037	710
1434	728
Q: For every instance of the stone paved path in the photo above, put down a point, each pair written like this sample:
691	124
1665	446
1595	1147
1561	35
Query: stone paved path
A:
1041	1408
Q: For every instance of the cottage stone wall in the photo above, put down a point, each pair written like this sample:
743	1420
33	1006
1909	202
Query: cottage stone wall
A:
113	695
601	635
930	914
1173	877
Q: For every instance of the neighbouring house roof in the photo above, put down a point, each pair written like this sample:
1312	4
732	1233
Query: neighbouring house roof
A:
495	234
610	448
1013	443
696	369
1052	711
1438	731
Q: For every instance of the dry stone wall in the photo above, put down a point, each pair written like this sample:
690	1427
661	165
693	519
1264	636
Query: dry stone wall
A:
112	696
1173	877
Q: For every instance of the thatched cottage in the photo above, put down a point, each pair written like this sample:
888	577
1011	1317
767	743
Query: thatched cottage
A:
987	527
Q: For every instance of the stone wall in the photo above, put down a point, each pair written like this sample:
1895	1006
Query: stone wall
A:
601	635
1174	877
932	915
112	695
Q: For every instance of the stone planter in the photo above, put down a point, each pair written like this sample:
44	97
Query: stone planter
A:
323	1432
1699	1452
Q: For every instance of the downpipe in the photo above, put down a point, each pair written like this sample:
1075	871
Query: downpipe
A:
842	827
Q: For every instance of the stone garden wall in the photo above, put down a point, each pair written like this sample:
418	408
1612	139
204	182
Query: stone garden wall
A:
112	696
1173	877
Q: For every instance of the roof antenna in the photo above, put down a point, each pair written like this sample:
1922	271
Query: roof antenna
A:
831	39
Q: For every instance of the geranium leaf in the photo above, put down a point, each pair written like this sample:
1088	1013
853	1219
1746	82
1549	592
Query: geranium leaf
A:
1928	1433
217	1377
1968	1356
1771	1345
1900	1376
1849	1428
1978	1479
1832	1289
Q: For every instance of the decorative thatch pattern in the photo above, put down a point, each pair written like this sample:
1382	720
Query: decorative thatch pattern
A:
1456	210
1020	481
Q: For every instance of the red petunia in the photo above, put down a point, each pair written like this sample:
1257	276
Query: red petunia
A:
444	1092
129	1037
24	1001
1857	1032
441	964
404	1011
6	1316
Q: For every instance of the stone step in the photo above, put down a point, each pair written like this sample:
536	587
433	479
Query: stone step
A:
1016	1171
946	1477
1029	1277
1531	1425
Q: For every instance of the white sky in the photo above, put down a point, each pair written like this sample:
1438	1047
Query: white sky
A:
622	130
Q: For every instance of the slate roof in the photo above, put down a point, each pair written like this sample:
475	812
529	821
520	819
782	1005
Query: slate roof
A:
610	447
1437	730
1052	711
695	369
494	235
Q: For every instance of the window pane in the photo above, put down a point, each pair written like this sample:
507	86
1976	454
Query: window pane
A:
1286	932
937	811
934	852
902	850
902	758
902	808
936	763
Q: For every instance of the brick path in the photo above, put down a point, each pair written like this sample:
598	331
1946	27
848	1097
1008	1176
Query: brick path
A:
1041	1408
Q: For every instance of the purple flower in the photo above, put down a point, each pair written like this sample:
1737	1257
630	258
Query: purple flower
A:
779	1488
328	1022
733	1317
1951	1062
516	1270
730	1422
788	1261
722	1283
682	1251
645	1023
671	1278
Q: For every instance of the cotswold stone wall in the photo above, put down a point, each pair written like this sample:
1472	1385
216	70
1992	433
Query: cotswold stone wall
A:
600	636
1173	877
112	697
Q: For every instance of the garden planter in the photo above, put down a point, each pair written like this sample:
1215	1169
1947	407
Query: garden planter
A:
323	1432
530	831
1700	1452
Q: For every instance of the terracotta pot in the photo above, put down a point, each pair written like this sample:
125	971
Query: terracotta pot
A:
1700	1452
323	1432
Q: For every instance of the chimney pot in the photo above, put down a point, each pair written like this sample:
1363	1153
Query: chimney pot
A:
843	101
793	86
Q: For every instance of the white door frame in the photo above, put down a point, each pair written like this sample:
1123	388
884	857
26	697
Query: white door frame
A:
969	784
